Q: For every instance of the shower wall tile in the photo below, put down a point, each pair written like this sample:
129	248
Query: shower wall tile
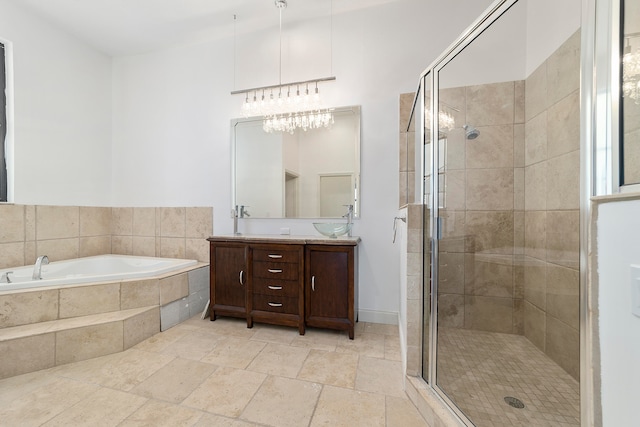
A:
411	187
535	187
535	140
492	149
402	147
411	151
488	314
406	104
414	240
492	232
536	92
95	221
563	176
122	221
563	125
563	69
96	245
12	255
518	189
456	149
57	222
563	238
173	222
563	294
489	189
535	234
403	190
518	277
144	222
535	282
490	104
451	310
519	145
562	344
12	223
518	316
414	216
519	103
518	233
451	273
59	249
488	275
455	188
452	99
199	222
534	325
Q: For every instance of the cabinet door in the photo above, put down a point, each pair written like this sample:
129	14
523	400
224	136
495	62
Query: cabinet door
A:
229	276
329	287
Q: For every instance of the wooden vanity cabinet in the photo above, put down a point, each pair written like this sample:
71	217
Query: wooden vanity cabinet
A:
228	279
330	297
276	285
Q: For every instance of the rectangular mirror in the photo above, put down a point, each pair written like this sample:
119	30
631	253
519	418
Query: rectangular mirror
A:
307	174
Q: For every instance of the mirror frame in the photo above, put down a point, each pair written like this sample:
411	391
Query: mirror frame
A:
356	109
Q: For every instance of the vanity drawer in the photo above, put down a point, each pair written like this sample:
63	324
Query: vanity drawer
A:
285	288
276	255
275	304
275	270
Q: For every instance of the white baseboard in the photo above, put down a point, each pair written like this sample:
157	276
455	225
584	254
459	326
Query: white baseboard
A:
373	316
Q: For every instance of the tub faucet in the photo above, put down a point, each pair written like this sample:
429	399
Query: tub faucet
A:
37	268
349	216
5	277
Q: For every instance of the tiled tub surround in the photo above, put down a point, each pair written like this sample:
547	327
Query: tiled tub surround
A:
41	328
68	232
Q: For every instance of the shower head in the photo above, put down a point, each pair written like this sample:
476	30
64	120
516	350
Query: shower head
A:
471	132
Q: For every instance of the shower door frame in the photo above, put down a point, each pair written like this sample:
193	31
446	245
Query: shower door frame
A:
431	240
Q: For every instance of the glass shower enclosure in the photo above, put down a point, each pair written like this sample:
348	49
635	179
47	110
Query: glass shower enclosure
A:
497	119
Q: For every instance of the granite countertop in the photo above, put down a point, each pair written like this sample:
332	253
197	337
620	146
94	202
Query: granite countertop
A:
283	238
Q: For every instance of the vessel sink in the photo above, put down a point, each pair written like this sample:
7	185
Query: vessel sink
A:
332	229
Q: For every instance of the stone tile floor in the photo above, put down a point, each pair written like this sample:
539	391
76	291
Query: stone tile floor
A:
203	373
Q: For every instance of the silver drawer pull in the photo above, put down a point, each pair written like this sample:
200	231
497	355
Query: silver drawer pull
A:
313	283
275	288
275	304
241	277
274	256
271	270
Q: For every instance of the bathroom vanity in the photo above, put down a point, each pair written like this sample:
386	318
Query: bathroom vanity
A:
294	281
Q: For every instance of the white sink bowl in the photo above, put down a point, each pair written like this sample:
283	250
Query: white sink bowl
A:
332	229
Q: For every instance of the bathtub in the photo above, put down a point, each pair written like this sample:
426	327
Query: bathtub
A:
101	268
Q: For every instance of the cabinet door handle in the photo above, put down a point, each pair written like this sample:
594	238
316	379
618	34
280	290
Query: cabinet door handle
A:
242	277
313	283
271	270
275	304
274	256
275	288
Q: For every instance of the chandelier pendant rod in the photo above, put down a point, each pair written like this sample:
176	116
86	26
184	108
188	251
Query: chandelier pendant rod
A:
302	82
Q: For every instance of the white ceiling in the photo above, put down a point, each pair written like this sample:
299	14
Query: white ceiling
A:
124	27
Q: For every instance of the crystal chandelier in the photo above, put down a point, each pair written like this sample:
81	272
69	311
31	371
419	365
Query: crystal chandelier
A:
446	122
283	110
631	73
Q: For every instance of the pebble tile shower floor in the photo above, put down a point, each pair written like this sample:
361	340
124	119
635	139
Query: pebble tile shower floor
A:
203	373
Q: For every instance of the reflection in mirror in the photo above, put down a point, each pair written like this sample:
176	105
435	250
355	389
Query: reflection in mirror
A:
307	174
630	145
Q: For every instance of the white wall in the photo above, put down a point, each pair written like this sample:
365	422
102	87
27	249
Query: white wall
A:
172	110
618	246
62	100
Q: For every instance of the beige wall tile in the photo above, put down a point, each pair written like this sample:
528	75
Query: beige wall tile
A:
411	152
534	325
199	222
488	314
535	282
519	145
492	232
138	328
12	223
492	149
122	245
122	221
535	140
489	275
98	245
563	125
12	255
95	221
563	345
519	103
563	69
411	187
563	238
139	293
456	149
453	99
30	253
22	308
563	181
451	274
535	187
455	186
143	246
406	105
58	249
197	249
518	232
563	294
403	190
91	341
402	152
535	234
518	316
490	104
57	222
414	360
30	222
27	354
172	247
173	288
536	92
92	299
451	311
173	222
489	189
144	222
518	189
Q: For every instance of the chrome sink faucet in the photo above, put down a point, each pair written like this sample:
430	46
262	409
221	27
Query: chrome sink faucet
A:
239	212
37	268
349	216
